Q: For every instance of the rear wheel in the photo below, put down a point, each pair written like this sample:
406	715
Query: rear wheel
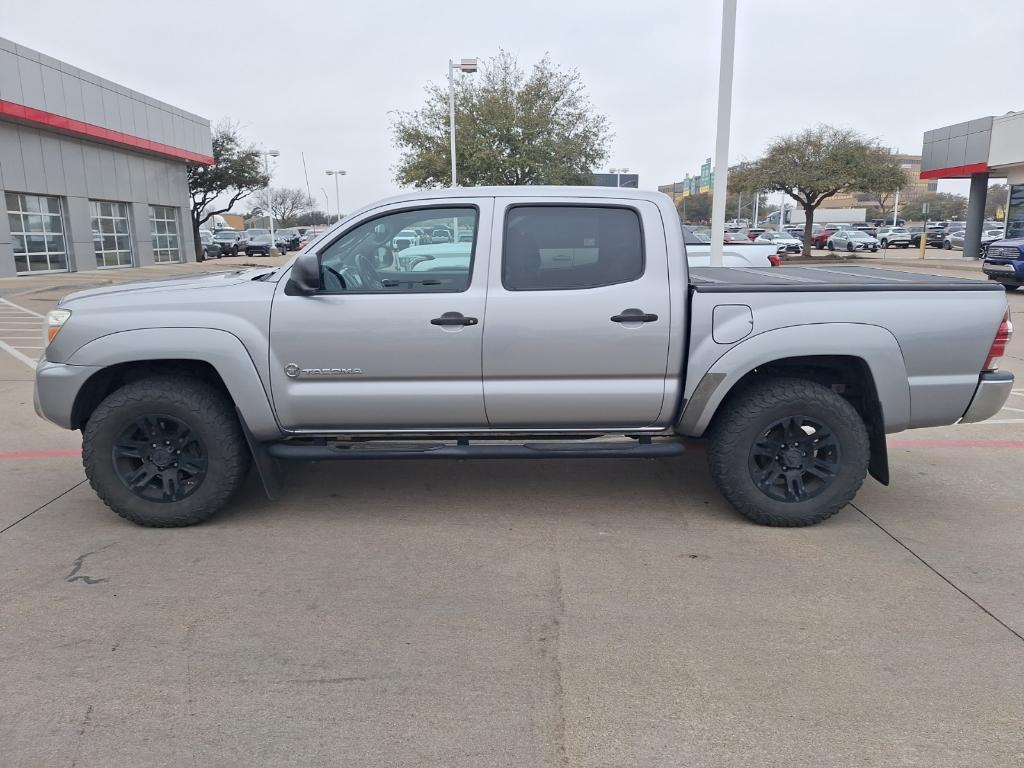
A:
165	452
788	452
831	245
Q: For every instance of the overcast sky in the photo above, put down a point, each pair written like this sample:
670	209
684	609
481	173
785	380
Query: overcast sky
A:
322	77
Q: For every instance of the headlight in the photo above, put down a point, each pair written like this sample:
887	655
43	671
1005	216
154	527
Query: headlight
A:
55	320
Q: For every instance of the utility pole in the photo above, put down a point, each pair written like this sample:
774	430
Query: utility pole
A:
468	66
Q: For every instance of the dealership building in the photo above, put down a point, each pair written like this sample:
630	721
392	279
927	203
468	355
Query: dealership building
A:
92	174
980	150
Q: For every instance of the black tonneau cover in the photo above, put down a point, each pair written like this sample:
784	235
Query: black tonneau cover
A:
825	279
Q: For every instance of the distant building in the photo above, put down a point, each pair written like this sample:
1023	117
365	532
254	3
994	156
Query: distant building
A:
92	174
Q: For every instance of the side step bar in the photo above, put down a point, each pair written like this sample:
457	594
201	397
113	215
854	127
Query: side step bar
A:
643	449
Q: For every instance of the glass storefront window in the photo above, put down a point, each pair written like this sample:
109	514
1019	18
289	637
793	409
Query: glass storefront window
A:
111	234
37	233
163	221
1015	212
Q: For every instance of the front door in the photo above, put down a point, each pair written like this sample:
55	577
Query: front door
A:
578	315
392	342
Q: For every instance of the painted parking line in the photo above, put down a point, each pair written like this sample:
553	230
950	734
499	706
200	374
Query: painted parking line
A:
938	443
51	454
20	332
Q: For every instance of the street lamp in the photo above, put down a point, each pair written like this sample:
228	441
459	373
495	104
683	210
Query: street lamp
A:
337	197
468	66
270	210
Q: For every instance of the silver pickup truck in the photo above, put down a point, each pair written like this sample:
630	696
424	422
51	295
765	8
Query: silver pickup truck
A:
557	323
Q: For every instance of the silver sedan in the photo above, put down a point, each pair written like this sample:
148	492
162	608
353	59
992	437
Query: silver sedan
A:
851	240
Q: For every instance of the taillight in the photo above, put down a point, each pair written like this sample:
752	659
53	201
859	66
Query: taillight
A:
998	348
775	261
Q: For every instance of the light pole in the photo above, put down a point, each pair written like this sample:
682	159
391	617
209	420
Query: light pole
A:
468	66
618	172
337	196
327	207
725	66
270	210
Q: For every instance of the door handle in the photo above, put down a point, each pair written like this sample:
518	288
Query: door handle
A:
634	316
454	318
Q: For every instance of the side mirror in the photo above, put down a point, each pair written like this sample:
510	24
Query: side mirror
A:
304	278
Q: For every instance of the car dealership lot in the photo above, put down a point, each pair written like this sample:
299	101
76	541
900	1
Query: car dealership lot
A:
599	613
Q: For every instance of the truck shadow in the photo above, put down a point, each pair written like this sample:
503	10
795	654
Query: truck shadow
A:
674	490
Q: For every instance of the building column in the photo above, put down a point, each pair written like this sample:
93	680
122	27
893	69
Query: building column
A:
142	237
975	215
78	235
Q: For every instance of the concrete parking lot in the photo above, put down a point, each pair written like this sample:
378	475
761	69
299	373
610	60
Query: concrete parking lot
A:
572	613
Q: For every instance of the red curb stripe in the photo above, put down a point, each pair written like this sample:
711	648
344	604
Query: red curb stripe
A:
81	128
923	443
15	455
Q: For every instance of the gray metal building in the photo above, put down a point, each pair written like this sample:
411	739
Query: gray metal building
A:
92	174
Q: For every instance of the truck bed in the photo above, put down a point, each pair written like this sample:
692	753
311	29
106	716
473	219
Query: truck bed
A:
825	279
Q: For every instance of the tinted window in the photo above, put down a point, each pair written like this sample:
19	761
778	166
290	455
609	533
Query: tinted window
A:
389	255
565	247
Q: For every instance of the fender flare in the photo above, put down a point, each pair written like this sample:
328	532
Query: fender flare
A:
221	349
873	344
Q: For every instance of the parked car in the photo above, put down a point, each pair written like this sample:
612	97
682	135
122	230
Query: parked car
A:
440	235
933	234
897	237
1004	263
259	245
230	241
755	232
211	248
741	253
783	241
405	239
795	406
734	237
287	239
851	240
956	239
820	239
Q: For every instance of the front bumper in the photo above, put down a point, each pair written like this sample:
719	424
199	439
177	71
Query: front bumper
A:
56	388
989	398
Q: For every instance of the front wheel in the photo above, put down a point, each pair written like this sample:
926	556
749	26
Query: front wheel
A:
947	245
165	451
849	247
788	452
831	246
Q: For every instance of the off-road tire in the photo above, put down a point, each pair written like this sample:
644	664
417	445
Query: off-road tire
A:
206	410
743	418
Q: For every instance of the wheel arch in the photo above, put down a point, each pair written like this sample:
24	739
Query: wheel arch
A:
215	356
873	378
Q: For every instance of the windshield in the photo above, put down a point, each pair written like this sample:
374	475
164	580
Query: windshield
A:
225	234
856	234
256	232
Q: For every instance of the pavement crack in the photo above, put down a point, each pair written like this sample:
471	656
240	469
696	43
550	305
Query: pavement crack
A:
942	576
42	506
558	603
79	562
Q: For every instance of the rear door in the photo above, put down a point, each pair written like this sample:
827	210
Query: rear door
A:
578	324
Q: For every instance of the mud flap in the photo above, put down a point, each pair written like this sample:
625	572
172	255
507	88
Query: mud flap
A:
266	465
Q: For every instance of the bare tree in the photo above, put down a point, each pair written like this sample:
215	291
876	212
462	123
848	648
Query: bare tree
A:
283	203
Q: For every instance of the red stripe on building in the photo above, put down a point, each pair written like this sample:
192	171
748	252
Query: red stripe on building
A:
956	170
88	130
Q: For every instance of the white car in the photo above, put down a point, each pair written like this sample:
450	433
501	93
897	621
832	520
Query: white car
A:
783	241
405	239
894	237
851	240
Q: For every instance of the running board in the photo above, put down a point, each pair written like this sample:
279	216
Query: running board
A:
643	449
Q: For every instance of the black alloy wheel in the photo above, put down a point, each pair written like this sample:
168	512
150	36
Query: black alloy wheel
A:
159	458
794	460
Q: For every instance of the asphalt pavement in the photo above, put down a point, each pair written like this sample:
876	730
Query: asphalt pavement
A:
545	613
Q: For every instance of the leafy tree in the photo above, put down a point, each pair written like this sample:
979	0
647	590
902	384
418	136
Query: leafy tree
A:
510	129
942	206
236	172
816	164
697	208
283	203
995	200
